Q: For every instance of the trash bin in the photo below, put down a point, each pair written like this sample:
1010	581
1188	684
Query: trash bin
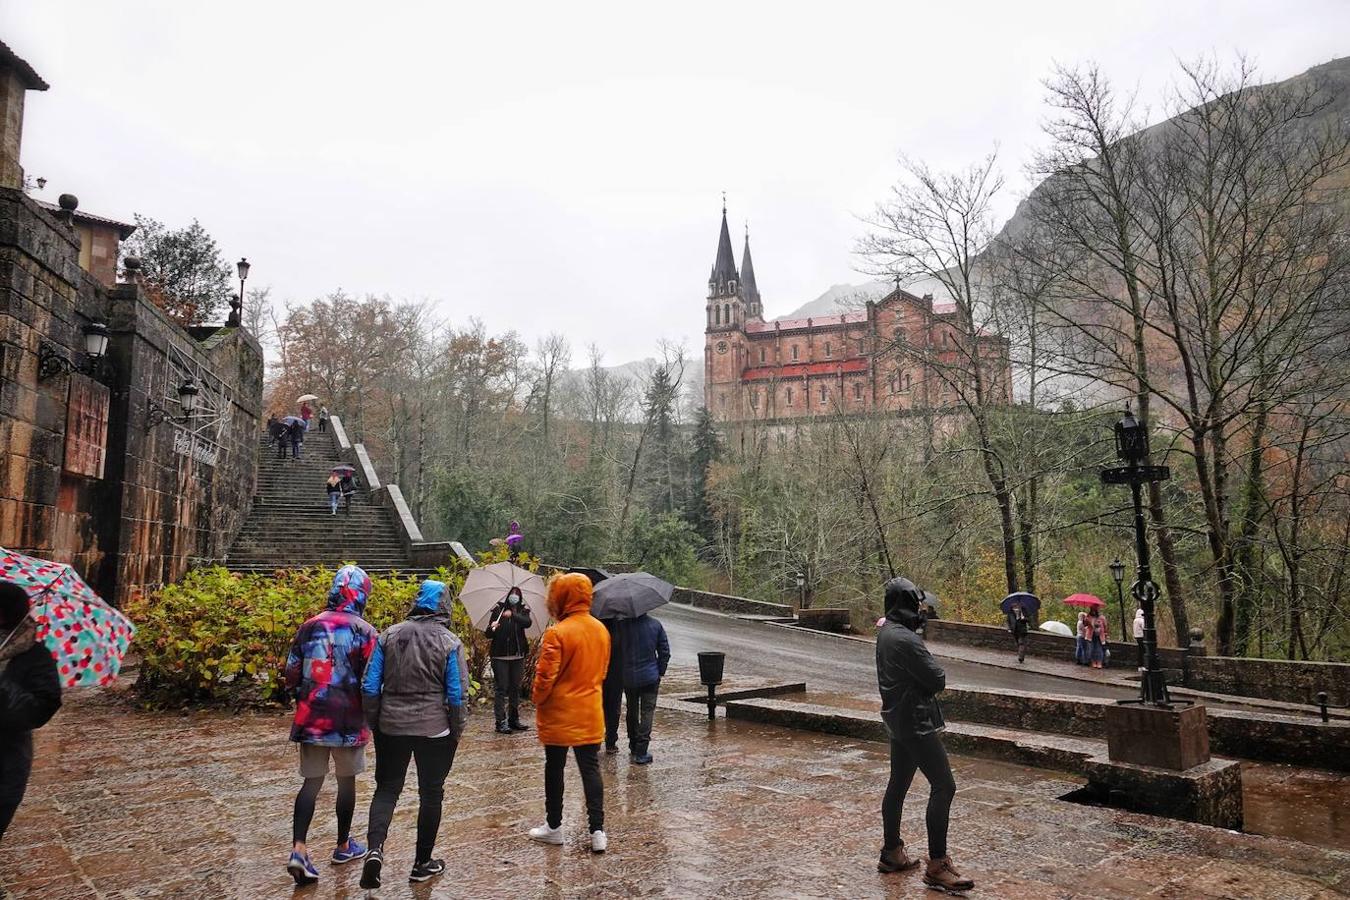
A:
710	665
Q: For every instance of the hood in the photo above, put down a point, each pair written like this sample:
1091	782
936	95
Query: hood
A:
569	594
902	594
429	597
350	591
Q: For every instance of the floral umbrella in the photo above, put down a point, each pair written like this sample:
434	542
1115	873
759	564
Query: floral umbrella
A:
86	636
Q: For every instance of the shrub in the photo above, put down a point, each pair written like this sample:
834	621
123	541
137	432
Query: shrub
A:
220	638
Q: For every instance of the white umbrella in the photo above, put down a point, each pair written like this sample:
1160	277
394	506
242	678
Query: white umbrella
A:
304	397
488	585
1056	628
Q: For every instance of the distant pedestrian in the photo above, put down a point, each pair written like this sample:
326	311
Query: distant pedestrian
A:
567	698
1019	626
612	690
278	435
323	672
909	679
30	694
508	623
306	414
514	539
415	690
347	486
1080	644
323	419
296	434
1094	636
645	654
271	431
334	487
1139	636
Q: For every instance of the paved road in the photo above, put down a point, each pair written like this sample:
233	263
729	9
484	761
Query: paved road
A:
829	663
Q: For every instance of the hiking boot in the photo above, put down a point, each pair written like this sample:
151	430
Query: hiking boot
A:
546	835
503	728
642	759
941	875
896	860
301	869
611	748
425	871
517	725
370	872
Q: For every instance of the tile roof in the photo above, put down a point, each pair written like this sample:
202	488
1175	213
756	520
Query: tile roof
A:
853	317
124	229
31	79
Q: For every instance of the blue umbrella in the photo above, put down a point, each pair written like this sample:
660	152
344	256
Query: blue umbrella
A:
292	420
1030	603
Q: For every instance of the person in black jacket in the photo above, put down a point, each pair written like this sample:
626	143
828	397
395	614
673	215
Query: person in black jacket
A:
507	624
30	694
909	680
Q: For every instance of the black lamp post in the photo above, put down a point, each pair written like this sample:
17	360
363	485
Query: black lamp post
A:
1118	574
242	267
1132	449
187	397
801	590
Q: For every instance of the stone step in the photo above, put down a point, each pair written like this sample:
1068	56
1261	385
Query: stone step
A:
1031	748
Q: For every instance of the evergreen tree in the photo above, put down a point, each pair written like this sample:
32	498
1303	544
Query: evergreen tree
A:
707	449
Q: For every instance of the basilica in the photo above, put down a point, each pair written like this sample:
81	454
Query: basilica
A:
897	354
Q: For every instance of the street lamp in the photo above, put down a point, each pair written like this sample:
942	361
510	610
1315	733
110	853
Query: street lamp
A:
1132	449
242	266
801	590
95	340
1118	574
187	397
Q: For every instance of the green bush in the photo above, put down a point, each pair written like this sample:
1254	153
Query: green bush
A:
220	638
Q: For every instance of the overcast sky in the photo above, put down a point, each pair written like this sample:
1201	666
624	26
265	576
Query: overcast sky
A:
559	166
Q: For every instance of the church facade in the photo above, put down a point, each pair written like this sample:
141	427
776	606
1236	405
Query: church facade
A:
899	354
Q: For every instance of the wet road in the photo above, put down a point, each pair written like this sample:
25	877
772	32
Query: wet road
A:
829	663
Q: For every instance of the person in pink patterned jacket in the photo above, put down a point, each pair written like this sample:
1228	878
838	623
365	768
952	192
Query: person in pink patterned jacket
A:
323	673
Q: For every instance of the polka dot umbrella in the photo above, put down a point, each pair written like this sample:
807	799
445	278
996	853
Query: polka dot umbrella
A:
86	636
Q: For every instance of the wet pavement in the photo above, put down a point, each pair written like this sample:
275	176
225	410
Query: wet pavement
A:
126	803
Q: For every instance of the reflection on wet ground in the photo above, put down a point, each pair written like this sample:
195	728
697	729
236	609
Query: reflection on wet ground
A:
126	803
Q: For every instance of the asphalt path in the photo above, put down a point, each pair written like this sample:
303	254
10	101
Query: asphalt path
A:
829	663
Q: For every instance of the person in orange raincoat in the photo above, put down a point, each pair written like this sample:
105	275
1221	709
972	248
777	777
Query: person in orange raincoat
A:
573	658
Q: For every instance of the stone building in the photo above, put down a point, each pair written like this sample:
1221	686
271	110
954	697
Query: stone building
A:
132	464
899	354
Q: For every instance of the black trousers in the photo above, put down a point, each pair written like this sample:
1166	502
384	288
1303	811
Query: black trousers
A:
927	754
506	677
588	762
611	699
641	710
16	764
434	758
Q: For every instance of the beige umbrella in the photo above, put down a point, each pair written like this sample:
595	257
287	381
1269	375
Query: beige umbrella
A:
303	398
486	586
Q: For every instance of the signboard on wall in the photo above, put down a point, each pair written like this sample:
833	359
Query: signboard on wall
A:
86	427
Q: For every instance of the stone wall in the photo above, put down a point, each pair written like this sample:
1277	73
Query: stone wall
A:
141	497
1271	679
1041	643
729	604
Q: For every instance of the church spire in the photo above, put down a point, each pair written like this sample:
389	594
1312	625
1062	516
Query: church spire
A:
749	289
724	275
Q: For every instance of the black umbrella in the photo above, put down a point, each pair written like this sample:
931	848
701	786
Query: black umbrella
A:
630	595
1030	603
595	575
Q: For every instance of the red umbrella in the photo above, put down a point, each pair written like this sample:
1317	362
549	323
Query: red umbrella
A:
1084	600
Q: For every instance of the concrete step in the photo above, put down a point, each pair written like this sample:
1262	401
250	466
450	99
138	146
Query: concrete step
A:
1031	748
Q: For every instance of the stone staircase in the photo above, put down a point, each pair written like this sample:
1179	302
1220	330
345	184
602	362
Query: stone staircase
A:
290	525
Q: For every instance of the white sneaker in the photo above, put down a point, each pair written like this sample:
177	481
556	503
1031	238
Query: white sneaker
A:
598	842
545	835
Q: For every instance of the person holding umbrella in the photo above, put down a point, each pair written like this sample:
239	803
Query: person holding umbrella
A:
1091	634
30	694
572	660
306	413
1019	608
334	488
508	626
645	653
909	680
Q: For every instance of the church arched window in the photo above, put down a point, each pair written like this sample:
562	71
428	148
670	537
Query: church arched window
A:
726	313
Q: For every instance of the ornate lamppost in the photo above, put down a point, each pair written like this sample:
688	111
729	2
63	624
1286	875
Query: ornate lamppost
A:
1132	449
1118	575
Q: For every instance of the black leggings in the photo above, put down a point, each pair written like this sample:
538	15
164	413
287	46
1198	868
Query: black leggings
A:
588	761
434	757
926	754
506	677
304	807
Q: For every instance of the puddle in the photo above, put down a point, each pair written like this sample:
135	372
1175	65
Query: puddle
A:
1307	805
